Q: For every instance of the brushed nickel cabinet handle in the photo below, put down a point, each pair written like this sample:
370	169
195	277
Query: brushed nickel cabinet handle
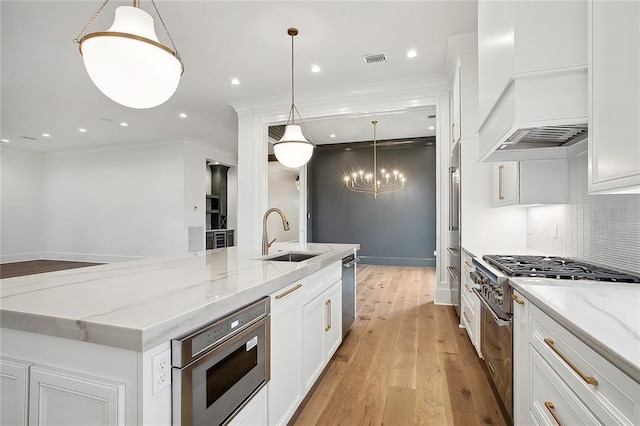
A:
286	293
466	317
327	313
501	182
468	265
552	411
467	287
517	300
590	380
453	132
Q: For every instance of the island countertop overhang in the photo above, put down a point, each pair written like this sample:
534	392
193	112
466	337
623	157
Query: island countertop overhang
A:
140	304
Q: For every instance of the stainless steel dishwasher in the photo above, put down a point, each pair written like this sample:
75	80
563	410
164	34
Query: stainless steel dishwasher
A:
348	292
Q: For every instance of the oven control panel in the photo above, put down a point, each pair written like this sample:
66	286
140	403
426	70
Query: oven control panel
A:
494	288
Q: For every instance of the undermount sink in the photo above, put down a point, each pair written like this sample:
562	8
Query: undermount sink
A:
293	256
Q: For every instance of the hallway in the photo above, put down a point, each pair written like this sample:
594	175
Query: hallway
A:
404	362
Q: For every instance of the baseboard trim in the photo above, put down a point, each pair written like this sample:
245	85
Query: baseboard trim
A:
20	257
398	261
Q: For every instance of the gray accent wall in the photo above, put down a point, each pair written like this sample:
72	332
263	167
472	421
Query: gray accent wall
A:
394	229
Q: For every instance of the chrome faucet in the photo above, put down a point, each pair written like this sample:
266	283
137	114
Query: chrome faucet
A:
265	240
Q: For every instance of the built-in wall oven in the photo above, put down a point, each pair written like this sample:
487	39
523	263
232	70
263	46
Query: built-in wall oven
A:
217	369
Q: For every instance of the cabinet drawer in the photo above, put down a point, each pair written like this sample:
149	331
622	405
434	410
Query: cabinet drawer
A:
467	262
467	318
316	283
612	395
552	401
333	273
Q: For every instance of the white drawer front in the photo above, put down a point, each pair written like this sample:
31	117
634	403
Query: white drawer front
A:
612	395
552	402
467	315
316	283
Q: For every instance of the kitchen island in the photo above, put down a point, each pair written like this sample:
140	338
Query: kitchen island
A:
111	324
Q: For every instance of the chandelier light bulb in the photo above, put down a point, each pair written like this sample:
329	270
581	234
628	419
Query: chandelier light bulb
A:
368	182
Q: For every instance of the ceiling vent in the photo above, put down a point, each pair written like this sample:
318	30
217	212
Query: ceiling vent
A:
375	59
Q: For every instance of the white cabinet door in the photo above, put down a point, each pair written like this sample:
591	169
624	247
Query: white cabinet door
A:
14	393
60	397
521	346
530	182
286	342
315	321
333	319
322	332
614	101
505	183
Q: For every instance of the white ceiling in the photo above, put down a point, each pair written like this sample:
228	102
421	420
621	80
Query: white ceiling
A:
45	88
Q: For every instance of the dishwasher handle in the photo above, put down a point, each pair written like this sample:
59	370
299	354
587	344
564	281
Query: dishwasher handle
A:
350	263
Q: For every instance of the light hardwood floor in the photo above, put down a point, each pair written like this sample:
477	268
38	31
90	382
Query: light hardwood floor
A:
404	362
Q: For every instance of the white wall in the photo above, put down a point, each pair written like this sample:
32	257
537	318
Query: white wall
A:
20	205
603	229
115	204
482	224
283	195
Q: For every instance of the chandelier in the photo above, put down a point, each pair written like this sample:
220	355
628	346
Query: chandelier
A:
293	150
371	182
127	63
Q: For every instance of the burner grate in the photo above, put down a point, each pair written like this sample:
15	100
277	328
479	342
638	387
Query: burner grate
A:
556	267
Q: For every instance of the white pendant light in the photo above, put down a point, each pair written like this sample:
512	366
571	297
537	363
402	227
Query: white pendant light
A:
128	63
293	150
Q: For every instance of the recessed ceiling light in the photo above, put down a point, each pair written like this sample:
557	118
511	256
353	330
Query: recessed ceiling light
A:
216	162
412	54
315	68
183	115
431	128
82	130
5	140
123	124
332	135
234	81
46	135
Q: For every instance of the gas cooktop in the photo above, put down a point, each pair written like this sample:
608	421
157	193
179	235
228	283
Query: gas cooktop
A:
556	267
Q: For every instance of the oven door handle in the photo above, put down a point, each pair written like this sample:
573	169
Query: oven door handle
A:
497	320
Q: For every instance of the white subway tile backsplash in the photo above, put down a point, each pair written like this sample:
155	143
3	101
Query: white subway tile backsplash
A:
603	229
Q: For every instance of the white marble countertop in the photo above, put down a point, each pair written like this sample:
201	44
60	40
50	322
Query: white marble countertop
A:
140	304
606	316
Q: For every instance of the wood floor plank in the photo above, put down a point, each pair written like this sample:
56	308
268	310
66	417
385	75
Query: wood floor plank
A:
399	407
30	267
405	361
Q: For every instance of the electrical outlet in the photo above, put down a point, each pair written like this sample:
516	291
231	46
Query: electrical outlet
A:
161	374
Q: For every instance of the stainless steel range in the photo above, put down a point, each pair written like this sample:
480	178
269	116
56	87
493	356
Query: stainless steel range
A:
496	297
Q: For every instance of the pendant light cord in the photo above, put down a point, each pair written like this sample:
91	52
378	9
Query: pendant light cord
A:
175	49
375	161
292	32
93	18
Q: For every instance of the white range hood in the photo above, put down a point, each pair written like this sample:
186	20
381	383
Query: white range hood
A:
533	80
